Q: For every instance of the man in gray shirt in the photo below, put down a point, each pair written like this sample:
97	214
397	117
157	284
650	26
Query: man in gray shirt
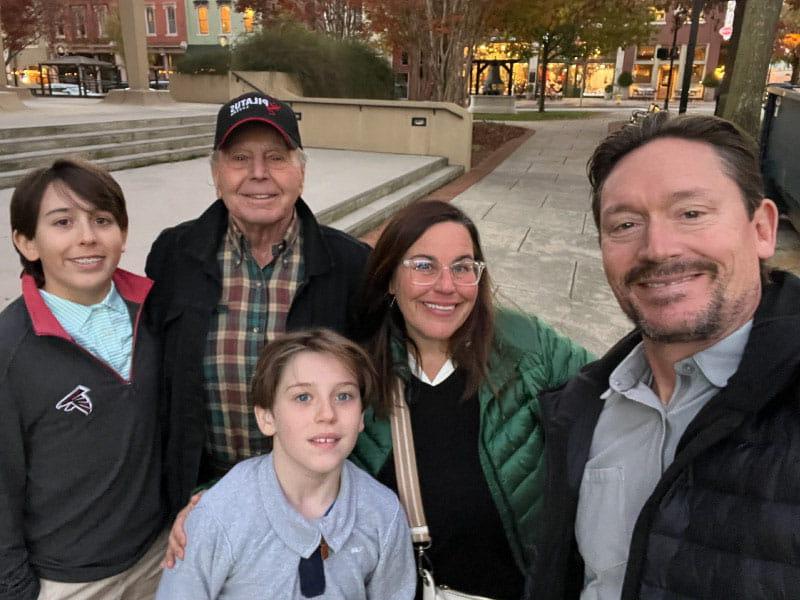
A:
674	461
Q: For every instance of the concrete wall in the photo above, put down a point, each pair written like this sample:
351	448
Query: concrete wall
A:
386	126
369	125
211	89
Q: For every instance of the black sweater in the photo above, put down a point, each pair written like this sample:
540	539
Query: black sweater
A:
80	463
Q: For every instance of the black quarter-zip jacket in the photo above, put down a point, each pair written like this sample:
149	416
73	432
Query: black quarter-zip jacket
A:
80	449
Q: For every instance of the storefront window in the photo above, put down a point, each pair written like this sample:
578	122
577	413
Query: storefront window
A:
697	73
598	76
642	74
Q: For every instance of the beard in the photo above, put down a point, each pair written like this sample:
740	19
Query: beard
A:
705	324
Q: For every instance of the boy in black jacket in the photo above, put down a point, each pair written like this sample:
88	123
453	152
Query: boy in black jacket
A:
80	454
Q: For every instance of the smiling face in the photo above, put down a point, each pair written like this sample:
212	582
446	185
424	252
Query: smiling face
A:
259	179
679	250
79	246
433	313
315	418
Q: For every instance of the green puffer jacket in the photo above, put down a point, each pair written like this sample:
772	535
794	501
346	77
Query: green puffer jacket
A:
528	357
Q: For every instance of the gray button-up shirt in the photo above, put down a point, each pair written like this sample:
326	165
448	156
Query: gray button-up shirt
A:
246	540
633	444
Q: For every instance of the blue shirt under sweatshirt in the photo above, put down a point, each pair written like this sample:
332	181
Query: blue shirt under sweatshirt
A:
104	329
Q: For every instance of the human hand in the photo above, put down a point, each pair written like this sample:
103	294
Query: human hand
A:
177	535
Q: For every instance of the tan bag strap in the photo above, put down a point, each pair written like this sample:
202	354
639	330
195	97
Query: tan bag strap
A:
405	466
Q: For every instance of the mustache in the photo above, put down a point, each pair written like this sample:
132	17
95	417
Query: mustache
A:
652	269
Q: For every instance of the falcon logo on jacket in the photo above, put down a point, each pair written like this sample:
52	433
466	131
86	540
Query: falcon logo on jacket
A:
78	399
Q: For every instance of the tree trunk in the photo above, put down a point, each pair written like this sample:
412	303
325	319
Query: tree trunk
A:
795	62
743	105
544	57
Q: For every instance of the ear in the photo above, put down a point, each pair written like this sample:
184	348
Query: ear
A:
265	420
124	240
26	247
361	423
765	222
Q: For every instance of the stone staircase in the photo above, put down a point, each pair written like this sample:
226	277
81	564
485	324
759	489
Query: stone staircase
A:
362	213
113	144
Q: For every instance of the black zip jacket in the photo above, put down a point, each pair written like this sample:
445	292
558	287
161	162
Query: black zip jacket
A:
723	521
80	449
188	286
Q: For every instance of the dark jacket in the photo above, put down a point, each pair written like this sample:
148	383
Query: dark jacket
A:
528	357
183	263
723	520
80	449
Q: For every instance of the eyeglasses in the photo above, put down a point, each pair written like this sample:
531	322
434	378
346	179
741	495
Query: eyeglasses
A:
427	271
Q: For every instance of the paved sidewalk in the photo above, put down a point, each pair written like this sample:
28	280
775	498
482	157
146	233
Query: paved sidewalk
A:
539	236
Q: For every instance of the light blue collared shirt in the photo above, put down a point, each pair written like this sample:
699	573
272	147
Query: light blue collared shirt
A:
634	442
104	329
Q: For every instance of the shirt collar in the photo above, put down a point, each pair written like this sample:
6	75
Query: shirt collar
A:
302	535
448	368
75	315
241	247
717	363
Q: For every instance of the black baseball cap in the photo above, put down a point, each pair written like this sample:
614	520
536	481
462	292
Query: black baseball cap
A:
257	107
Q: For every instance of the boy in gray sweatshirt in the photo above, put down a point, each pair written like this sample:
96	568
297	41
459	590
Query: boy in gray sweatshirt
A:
300	522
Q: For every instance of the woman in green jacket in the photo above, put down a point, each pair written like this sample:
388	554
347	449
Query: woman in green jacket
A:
472	374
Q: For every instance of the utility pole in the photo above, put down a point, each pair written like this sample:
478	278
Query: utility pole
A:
697	7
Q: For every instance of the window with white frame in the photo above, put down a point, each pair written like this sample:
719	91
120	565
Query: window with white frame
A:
79	20
150	20
101	16
172	21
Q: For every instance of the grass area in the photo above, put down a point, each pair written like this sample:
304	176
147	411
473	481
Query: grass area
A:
532	115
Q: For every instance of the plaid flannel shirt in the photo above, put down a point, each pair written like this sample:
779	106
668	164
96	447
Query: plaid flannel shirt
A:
252	311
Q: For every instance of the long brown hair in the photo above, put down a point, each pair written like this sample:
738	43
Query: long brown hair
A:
381	320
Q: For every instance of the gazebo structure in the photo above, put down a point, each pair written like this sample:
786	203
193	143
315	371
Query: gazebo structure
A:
87	70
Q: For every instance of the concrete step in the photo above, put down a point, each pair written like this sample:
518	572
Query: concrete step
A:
368	216
98	126
334	213
11	178
41	158
70	140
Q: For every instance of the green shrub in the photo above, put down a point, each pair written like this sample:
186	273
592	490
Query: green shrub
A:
326	67
625	79
609	88
711	81
208	60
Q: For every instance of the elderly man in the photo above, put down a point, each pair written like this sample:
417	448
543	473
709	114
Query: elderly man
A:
255	264
674	461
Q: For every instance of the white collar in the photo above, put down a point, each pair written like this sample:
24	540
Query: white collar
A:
447	369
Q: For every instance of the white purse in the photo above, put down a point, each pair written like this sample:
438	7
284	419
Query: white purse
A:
405	465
